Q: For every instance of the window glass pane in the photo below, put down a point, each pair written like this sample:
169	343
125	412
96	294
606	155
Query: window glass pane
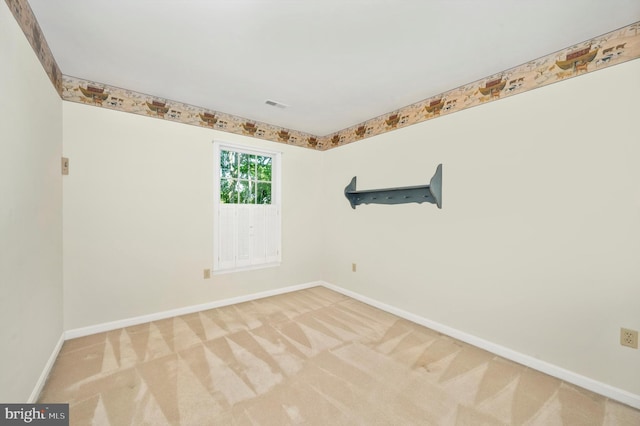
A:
243	167
246	192
252	166
264	168
228	193
228	164
263	193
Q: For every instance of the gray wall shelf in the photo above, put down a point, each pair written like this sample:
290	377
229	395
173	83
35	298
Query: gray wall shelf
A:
431	193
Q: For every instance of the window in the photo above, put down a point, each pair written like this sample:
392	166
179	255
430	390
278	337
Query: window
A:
247	208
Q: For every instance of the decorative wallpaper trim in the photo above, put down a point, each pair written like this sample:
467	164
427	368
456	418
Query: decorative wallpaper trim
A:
102	95
27	21
595	54
598	53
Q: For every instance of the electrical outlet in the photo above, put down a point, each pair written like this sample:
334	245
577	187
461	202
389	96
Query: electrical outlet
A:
629	338
353	267
207	274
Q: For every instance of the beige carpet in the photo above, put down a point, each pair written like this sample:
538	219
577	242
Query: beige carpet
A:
311	357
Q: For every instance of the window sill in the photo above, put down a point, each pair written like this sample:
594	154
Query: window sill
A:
246	268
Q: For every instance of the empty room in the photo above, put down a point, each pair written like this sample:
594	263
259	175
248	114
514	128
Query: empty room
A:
274	212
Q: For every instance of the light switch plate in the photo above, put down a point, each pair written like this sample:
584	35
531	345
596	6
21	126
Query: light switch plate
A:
65	166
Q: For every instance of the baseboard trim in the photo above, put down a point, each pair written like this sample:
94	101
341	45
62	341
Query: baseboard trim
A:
127	322
611	392
45	371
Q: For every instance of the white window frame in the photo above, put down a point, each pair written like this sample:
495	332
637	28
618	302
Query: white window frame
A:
262	227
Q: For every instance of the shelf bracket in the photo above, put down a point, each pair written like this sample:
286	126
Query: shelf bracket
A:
431	193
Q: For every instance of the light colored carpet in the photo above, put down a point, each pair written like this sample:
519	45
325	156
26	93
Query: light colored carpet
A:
310	357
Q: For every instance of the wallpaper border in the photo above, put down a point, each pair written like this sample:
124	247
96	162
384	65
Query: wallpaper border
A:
27	21
600	52
102	95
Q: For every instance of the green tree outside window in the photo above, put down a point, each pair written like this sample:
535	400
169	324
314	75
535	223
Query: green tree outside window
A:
245	178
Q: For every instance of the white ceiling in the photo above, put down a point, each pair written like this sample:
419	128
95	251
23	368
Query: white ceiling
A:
335	62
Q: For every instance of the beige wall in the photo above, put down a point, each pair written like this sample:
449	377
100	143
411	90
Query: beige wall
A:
537	246
30	214
138	211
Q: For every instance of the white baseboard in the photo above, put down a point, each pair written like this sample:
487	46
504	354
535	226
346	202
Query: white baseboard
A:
45	372
612	392
617	394
127	322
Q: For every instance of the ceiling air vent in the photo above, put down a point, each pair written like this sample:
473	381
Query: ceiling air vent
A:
276	104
